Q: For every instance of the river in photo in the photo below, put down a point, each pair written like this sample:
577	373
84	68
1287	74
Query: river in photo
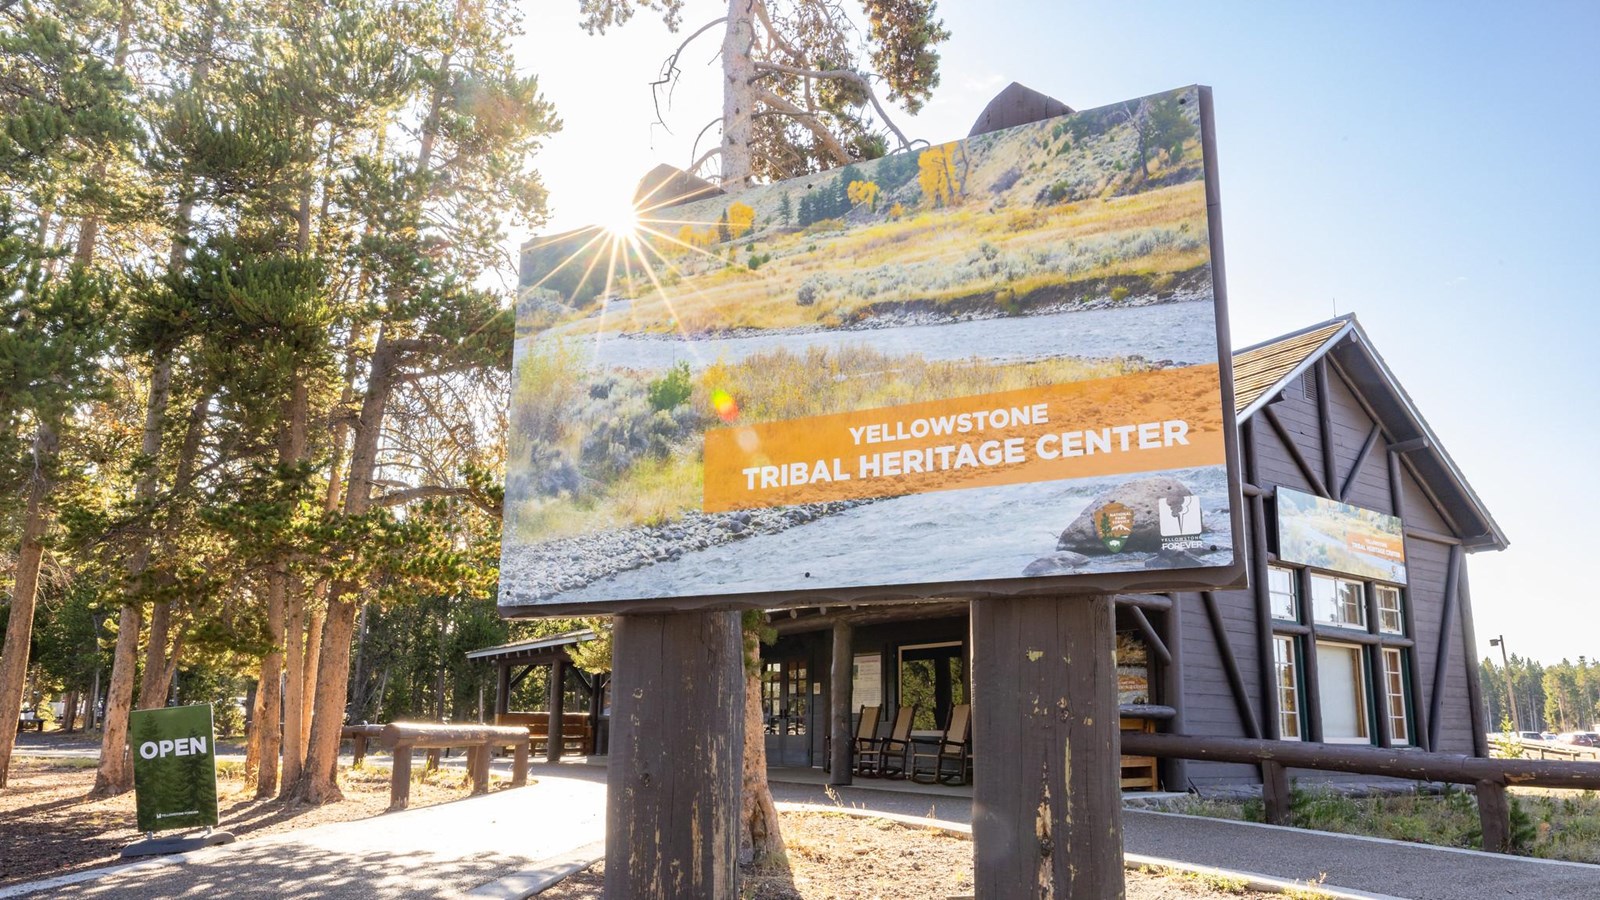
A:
1182	333
943	536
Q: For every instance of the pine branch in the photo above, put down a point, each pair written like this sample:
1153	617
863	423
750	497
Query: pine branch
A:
810	121
849	75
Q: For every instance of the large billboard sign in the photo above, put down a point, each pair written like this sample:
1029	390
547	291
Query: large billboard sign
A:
174	767
997	365
1327	534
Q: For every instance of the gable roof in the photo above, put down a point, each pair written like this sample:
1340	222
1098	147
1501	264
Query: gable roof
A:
1262	372
550	645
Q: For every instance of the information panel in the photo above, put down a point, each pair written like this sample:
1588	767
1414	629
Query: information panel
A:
991	365
1328	534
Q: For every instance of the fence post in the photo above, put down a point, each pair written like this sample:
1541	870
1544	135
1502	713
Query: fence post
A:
1275	792
478	762
519	763
400	778
1494	813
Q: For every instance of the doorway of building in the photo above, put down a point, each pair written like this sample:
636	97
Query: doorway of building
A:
934	678
787	710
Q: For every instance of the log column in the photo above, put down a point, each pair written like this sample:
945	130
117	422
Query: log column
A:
556	729
839	684
672	798
1047	802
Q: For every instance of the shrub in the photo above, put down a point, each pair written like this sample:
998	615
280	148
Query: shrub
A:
807	294
671	389
1119	293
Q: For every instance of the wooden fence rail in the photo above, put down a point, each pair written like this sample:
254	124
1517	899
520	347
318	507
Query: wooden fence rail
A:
403	737
359	736
1489	776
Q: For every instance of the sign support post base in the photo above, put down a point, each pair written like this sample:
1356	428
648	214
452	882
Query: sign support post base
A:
677	746
1047	798
179	843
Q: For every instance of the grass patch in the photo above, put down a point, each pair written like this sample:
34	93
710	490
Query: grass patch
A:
1544	823
74	762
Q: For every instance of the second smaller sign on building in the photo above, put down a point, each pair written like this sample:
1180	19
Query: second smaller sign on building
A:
1326	534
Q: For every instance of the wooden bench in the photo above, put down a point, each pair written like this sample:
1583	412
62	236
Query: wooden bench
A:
577	735
1139	773
401	738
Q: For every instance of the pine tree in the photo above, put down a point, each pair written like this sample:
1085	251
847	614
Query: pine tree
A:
63	106
431	233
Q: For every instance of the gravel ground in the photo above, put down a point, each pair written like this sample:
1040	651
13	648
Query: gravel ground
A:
842	857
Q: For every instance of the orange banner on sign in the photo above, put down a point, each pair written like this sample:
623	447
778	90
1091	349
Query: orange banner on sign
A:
1167	419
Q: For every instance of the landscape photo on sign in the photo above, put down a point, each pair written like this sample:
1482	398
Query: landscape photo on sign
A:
1327	534
927	368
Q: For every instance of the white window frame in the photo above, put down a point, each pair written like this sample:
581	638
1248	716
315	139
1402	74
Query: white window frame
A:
1384	591
1293	594
1285	662
1394	689
1338	605
1363	692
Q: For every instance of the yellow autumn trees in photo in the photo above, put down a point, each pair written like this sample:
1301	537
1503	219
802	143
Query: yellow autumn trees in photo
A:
863	192
941	170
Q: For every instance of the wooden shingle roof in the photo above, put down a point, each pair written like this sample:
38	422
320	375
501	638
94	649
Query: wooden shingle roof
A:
1262	373
1258	369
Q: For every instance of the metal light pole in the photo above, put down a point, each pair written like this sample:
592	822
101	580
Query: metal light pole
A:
1511	691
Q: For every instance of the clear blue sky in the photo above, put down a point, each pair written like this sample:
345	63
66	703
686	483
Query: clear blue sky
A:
1433	168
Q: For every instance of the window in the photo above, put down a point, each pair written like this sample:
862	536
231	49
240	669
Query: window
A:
1285	598
1394	687
1343	689
1390	620
934	678
1288	687
1338	601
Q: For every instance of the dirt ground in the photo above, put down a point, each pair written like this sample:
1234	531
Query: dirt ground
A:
49	827
842	857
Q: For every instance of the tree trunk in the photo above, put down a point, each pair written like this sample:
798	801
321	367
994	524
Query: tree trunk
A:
19	628
318	781
270	689
252	746
760	836
308	679
69	711
294	686
115	775
738	94
154	681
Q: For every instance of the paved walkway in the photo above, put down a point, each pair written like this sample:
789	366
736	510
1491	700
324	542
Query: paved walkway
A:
436	851
451	849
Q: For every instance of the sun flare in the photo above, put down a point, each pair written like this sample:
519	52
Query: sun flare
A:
621	221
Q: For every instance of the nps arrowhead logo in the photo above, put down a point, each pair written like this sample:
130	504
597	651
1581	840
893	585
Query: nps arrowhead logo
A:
1113	523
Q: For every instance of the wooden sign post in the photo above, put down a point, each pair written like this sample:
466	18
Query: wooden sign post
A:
672	786
1047	799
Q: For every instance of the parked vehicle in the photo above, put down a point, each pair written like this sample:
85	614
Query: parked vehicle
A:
1579	738
1531	735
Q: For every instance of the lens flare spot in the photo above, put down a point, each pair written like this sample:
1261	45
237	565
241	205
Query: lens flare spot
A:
722	401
